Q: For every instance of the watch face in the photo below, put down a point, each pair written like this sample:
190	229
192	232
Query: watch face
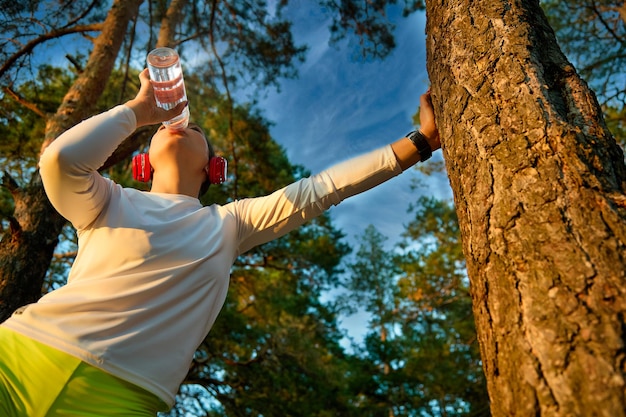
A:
420	142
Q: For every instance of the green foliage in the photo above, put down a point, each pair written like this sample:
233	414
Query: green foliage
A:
420	357
372	278
279	357
123	85
22	128
616	122
436	311
368	21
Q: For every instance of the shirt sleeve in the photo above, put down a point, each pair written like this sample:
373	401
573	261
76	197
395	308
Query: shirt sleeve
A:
69	165
266	218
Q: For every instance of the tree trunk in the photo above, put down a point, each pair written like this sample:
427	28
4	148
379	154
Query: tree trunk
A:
538	183
26	252
172	19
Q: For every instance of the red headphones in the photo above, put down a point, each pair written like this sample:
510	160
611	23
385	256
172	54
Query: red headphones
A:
142	171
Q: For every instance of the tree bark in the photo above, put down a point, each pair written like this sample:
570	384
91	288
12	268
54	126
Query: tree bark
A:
26	252
538	183
172	19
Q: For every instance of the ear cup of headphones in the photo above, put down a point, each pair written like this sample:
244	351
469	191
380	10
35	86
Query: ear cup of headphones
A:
142	171
217	169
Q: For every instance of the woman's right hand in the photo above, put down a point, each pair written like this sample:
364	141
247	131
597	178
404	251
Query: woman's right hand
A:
145	107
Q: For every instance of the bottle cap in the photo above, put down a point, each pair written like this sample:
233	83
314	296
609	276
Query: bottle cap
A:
162	57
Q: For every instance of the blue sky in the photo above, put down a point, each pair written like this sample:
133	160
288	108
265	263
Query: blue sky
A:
339	108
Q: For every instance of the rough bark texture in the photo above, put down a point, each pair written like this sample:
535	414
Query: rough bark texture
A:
26	252
538	184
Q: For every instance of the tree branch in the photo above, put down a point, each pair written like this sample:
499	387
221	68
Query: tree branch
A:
9	183
74	61
93	4
28	104
28	48
596	11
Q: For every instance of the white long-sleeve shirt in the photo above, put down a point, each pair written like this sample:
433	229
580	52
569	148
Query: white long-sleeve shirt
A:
152	270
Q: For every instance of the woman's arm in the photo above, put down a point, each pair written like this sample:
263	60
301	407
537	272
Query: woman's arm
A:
68	166
263	219
266	218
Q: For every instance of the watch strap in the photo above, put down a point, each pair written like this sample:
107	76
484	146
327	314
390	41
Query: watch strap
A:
420	142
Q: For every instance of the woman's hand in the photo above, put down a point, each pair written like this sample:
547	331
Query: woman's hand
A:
427	121
405	149
144	104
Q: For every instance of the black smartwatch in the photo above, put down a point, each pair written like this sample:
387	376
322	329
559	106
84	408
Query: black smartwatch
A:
420	142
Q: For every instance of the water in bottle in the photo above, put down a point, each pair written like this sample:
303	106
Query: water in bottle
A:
166	76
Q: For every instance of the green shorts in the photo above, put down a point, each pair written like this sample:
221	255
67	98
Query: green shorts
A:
39	381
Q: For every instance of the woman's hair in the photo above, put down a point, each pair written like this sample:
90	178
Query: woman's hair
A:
205	185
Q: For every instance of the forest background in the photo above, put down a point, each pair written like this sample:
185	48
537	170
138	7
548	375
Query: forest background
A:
282	345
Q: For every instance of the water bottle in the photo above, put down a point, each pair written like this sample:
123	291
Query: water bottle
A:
166	76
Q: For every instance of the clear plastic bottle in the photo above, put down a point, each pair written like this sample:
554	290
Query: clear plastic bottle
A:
166	76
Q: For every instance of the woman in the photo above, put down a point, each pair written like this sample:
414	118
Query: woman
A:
152	268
